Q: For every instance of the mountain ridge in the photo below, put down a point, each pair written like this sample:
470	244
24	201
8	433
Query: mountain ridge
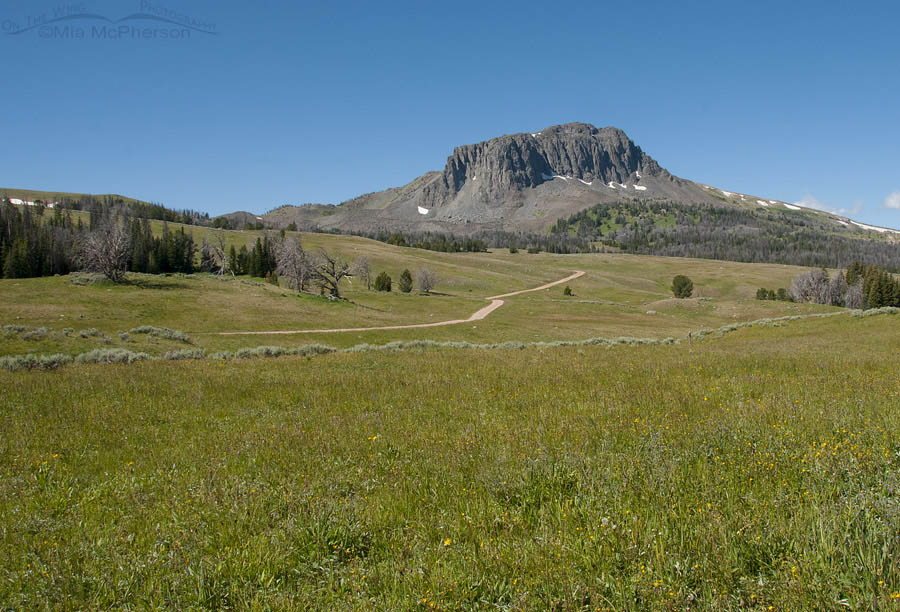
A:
520	182
526	182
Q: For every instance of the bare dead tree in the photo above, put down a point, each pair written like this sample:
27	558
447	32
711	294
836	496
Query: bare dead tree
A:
362	269
836	290
213	257
329	271
220	257
854	298
292	263
426	279
106	250
207	257
810	286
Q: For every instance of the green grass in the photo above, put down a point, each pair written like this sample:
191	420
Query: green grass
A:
743	471
612	299
756	470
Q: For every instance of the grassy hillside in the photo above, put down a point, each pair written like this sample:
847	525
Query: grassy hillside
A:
754	472
31	195
618	295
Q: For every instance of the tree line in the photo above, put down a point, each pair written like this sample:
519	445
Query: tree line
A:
100	205
324	271
172	251
708	231
33	246
879	287
476	242
861	287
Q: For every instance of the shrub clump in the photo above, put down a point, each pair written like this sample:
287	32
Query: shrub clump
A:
311	349
768	322
83	279
37	333
111	356
89	333
13	330
162	332
275	351
185	354
875	311
34	362
259	351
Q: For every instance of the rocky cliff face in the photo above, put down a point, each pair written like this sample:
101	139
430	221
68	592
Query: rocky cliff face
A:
520	161
518	182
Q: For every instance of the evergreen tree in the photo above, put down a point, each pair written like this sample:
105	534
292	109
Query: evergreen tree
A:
682	286
243	260
233	260
406	282
383	282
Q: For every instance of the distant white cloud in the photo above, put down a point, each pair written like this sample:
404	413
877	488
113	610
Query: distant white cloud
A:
893	200
811	201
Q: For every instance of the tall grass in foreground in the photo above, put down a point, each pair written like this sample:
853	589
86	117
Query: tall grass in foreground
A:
757	472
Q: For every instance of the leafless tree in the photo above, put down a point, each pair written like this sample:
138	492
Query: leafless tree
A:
362	269
213	258
207	259
329	271
293	263
810	286
426	279
219	258
853	298
106	250
837	288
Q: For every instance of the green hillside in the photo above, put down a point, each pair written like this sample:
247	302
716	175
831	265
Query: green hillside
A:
31	195
619	295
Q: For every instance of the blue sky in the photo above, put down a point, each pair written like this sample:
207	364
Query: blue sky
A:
299	102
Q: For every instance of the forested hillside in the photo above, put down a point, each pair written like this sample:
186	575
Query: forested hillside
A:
719	232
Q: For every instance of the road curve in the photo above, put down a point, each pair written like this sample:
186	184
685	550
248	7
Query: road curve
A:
496	302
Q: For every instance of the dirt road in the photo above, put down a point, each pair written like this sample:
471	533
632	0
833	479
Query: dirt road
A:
496	302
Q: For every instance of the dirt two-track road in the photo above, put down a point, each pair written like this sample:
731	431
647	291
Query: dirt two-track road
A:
496	302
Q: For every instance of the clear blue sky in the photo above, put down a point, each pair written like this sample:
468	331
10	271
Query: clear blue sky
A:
299	102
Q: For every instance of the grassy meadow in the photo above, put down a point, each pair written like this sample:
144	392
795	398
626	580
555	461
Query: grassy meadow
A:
756	470
620	295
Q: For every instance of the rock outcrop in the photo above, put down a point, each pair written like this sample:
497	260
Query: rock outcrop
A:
515	182
520	161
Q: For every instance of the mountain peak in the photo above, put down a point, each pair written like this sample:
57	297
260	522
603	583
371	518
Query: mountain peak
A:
514	162
577	128
523	181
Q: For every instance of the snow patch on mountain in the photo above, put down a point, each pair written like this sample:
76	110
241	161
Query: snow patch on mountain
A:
875	228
